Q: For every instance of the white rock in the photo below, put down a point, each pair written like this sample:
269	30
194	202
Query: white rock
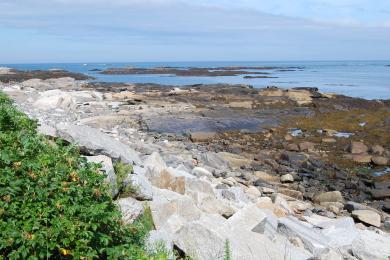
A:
287	178
371	246
131	209
199	171
141	185
367	216
96	142
108	169
52	99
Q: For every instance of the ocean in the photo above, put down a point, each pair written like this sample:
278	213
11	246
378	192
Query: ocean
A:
364	79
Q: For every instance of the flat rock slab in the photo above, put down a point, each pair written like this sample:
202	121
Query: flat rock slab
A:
95	142
186	124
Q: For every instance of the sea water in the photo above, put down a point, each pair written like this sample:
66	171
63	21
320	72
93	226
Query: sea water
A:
364	79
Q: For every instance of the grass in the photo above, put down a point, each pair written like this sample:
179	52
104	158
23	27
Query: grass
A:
54	204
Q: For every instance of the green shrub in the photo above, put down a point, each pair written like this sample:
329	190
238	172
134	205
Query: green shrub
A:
53	204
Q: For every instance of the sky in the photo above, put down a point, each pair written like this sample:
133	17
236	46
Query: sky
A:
34	31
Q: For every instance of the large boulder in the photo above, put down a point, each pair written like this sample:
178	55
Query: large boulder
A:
371	246
95	142
166	203
108	170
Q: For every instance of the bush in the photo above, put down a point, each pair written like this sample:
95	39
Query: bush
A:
53	204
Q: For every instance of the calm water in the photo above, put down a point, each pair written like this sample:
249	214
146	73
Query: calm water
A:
365	79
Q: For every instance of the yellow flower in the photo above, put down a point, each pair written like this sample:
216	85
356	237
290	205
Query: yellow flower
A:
64	251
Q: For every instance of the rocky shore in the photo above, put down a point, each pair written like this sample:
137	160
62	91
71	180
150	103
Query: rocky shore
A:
272	173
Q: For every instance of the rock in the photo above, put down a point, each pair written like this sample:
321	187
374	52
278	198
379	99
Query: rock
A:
169	181
368	217
5	70
235	161
294	158
203	136
47	130
302	97
199	172
55	98
158	238
291	193
166	203
229	195
287	178
313	241
108	121
306	146
131	209
377	149
380	160
253	191
292	147
241	104
380	194
331	196
329	140
154	163
266	177
95	142
361	158
371	245
250	218
108	169
357	148
141	187
334	207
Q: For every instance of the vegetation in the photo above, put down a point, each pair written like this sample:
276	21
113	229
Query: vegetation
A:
122	172
228	253
53	204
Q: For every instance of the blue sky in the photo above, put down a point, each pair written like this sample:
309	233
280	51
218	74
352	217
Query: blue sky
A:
191	30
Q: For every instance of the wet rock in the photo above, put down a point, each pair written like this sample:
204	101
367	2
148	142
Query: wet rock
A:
131	209
368	217
380	160
357	148
331	196
287	178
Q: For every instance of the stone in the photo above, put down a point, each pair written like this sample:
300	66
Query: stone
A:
266	177
292	147
154	163
380	194
329	140
253	191
377	149
380	160
235	161
166	203
250	218
334	207
108	121
52	99
199	172
357	148
141	187
131	209
331	196
95	142
301	97
287	178
198	137
306	146
47	130
241	104
293	157
108	169
291	193
371	245
312	239
361	158
169	181
368	217
157	239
